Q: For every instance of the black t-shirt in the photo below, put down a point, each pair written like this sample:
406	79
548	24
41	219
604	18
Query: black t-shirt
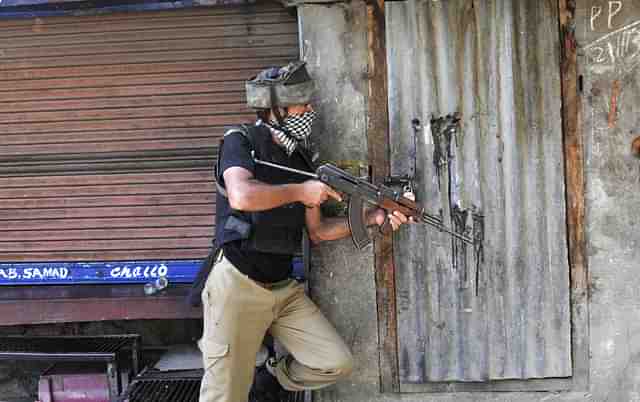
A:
259	266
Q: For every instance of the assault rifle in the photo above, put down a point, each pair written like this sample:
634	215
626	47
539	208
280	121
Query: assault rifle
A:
361	191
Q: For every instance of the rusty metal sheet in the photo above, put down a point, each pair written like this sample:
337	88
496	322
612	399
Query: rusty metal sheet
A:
499	310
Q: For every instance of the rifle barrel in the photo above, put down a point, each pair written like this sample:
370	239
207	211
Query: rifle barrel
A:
437	223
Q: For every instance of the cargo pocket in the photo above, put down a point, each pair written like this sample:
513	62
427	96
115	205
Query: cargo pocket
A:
217	304
214	352
216	299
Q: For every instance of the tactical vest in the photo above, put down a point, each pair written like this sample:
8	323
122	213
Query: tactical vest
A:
278	230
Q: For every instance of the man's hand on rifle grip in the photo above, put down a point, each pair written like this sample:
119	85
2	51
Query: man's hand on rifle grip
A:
386	221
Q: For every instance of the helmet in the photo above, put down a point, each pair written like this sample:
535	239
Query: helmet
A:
280	86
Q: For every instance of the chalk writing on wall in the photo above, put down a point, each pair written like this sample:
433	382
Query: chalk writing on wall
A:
618	51
599	14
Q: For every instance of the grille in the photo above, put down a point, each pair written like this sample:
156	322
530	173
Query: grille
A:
298	397
179	386
178	390
165	386
52	345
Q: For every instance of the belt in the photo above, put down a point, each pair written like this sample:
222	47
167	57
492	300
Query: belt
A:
274	285
218	255
266	285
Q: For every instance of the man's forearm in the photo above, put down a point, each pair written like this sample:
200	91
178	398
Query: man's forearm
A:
322	228
330	229
253	195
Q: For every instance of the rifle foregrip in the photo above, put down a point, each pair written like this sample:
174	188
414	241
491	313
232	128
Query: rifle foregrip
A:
358	228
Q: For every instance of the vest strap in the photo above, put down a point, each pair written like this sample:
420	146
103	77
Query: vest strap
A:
244	131
221	190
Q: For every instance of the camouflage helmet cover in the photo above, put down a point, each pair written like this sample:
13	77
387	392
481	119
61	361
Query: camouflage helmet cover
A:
280	86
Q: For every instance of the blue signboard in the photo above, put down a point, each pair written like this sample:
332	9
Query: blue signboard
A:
59	273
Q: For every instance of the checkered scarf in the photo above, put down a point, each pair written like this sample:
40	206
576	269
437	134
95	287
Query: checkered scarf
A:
299	126
294	130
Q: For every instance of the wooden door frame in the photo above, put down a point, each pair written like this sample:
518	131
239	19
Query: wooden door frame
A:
379	146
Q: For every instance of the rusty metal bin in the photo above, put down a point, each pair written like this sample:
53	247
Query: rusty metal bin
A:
78	382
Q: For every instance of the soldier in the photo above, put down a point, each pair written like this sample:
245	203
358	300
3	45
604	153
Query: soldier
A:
260	215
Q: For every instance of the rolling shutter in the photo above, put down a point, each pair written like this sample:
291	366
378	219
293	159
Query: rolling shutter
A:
109	126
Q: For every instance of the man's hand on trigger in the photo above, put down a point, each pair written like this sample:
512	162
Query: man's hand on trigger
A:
315	192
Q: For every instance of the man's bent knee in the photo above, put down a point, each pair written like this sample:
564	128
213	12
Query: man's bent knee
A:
341	365
344	365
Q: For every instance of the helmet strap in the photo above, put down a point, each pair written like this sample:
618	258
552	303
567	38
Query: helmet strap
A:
274	107
276	112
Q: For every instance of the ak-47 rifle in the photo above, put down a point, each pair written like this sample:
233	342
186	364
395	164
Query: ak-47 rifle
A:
361	191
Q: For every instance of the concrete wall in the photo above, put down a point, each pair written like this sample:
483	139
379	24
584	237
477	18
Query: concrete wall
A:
333	41
342	280
608	35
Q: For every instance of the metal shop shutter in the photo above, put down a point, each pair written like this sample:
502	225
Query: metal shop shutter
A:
109	126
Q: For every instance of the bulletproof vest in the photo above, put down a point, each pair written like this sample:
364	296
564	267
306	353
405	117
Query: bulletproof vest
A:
278	230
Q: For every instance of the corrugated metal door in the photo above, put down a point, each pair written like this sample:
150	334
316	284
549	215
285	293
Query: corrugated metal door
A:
109	126
500	311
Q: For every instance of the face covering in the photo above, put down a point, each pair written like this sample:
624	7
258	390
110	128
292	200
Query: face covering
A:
299	126
293	130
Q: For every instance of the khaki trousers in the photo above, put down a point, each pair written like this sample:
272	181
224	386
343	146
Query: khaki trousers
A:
237	314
